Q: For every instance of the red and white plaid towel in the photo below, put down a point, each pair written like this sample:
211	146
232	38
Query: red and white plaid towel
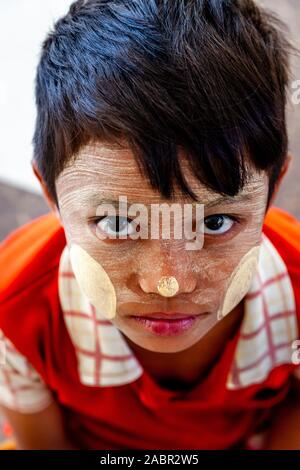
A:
270	323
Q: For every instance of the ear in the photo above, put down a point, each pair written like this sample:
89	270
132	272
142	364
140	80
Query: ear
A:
47	195
283	171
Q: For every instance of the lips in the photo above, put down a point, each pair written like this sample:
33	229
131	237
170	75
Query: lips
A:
168	316
165	327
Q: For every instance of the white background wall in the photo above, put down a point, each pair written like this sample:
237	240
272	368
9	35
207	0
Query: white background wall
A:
23	26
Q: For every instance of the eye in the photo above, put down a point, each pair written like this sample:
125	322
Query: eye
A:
116	226
218	224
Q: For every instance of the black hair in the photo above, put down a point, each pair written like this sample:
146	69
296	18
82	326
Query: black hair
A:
207	76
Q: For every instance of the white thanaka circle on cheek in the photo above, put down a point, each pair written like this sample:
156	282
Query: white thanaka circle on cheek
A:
240	282
93	281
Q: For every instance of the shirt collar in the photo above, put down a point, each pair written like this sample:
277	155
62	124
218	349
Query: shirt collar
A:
267	331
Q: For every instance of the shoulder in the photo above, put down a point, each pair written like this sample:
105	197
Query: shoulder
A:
283	229
29	254
28	287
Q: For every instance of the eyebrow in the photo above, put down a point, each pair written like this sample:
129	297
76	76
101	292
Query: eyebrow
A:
96	200
228	200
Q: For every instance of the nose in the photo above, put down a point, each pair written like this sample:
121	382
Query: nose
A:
169	273
167	285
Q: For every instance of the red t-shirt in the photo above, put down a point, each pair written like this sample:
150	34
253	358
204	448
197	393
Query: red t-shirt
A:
141	414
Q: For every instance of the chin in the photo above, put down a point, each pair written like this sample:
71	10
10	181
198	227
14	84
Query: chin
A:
166	345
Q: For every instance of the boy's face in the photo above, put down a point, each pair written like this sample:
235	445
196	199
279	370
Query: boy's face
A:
134	267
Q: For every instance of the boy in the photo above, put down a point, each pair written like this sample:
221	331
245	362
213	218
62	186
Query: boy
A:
121	341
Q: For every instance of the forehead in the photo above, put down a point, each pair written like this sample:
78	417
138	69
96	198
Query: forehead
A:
106	170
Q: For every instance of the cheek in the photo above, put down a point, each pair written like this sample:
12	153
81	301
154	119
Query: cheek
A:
93	281
239	282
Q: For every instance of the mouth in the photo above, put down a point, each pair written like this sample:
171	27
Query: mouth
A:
172	316
167	324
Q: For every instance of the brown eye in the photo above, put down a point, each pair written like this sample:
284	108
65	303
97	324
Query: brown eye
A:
116	226
217	224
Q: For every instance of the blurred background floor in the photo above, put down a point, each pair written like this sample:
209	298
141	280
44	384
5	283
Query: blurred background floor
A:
17	207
